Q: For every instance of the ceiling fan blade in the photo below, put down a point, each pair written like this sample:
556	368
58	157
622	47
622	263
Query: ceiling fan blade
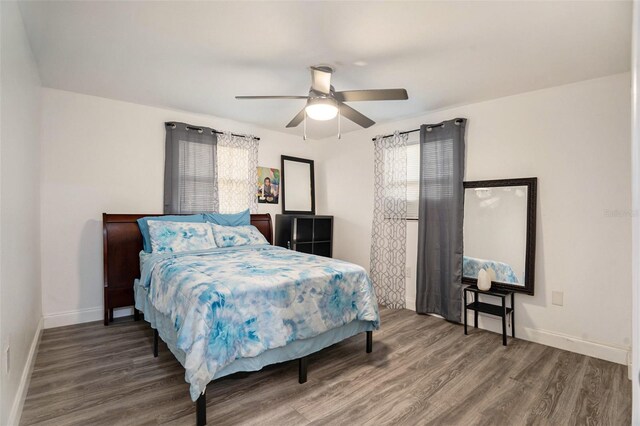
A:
321	79
372	95
355	116
297	119
271	97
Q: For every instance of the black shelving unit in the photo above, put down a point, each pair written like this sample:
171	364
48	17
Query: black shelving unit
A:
503	311
311	234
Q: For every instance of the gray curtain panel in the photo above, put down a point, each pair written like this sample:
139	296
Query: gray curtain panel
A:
190	173
389	229
441	214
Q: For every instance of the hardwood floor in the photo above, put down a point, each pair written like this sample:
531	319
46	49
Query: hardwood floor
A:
423	370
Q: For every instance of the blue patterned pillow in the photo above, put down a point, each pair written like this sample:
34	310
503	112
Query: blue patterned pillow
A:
232	236
174	237
144	227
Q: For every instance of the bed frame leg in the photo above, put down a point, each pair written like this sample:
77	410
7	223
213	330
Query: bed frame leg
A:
155	343
136	314
201	409
369	341
302	369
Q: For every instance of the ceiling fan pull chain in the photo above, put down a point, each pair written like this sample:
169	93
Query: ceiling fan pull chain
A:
304	131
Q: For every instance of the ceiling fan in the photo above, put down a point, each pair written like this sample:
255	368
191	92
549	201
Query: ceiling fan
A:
324	103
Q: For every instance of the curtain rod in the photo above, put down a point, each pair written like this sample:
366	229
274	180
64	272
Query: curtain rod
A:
458	121
217	132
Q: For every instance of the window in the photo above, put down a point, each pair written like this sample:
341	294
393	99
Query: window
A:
197	183
437	158
434	189
208	173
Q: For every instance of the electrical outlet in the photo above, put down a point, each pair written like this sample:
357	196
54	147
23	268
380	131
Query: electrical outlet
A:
407	272
557	298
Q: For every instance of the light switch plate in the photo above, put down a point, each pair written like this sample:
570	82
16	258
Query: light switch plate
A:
557	298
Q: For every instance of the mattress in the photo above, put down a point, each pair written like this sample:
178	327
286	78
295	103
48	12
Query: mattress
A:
238	309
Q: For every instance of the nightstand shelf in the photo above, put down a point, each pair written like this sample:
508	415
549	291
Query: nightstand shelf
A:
503	311
488	308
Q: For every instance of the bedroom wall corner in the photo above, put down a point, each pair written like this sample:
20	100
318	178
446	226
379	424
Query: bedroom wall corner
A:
20	280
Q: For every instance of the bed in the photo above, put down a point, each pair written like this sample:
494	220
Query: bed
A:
504	272
227	310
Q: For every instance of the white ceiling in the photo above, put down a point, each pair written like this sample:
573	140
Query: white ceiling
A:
197	56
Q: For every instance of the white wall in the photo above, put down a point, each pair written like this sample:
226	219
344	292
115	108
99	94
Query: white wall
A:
635	157
20	289
575	139
101	155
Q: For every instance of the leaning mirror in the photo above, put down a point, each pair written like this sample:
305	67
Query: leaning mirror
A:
500	232
298	192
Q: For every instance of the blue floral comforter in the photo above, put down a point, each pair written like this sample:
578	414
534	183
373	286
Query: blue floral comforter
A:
237	302
504	272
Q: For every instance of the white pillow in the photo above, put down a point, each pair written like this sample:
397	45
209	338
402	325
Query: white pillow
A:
175	237
232	236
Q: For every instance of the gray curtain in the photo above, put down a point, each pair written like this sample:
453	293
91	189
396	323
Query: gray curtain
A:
441	213
190	173
389	229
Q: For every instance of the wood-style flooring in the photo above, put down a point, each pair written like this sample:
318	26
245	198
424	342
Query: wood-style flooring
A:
423	370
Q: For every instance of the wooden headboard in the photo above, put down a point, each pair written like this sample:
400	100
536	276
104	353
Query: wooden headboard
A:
122	243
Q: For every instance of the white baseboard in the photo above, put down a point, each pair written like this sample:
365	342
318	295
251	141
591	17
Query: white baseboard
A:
25	378
411	304
619	355
616	354
60	319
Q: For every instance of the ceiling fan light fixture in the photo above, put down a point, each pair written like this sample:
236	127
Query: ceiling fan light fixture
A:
324	103
322	109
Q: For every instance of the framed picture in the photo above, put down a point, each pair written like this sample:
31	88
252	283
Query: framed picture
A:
268	185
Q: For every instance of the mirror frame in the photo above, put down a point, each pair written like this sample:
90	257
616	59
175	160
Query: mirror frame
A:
283	191
530	246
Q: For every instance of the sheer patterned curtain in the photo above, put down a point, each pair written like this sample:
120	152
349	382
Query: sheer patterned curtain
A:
236	172
389	230
190	179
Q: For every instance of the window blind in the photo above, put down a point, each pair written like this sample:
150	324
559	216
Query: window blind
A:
197	177
190	177
438	169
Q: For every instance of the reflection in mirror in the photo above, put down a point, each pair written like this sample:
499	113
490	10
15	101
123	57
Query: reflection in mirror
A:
298	185
495	233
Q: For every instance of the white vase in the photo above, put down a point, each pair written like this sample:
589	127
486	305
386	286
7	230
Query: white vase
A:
484	280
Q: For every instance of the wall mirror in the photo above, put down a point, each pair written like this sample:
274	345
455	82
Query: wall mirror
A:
298	192
500	232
